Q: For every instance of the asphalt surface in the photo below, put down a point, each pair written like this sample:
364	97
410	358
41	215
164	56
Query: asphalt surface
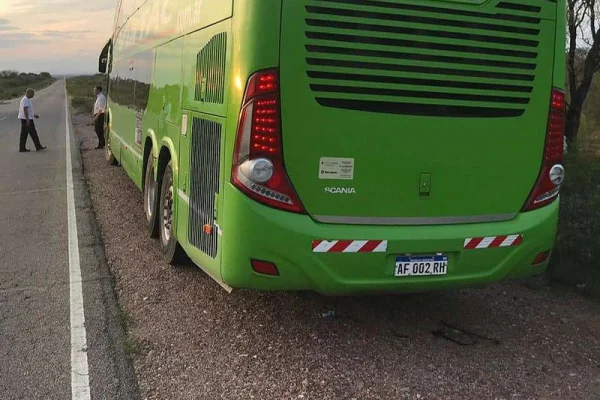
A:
35	348
192	340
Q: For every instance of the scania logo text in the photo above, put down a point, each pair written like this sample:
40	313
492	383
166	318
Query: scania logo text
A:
340	190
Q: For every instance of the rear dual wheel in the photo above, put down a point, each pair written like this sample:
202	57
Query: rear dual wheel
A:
151	189
171	250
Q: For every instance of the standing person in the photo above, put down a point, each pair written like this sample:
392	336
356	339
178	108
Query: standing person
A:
26	115
99	110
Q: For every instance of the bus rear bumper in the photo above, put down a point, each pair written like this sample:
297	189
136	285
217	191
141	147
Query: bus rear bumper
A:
255	232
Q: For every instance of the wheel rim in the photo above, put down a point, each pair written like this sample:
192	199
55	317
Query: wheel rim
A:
150	197
168	214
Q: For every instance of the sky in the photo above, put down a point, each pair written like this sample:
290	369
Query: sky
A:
56	36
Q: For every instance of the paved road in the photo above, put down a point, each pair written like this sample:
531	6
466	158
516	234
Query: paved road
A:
38	257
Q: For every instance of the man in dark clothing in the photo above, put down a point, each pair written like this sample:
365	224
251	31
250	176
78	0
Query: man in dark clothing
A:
99	110
26	115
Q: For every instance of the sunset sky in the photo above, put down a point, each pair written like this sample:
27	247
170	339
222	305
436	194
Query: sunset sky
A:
57	36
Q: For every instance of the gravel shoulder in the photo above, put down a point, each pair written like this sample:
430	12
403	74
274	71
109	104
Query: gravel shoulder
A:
192	340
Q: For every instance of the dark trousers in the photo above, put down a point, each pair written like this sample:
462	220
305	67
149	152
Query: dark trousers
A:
99	128
28	130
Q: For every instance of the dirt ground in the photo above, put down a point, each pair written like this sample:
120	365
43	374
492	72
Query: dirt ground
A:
192	340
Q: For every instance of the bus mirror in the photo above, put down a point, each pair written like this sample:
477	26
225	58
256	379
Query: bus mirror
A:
102	65
103	59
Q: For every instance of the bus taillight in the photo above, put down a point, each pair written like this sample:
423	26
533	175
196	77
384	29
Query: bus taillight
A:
258	167
552	173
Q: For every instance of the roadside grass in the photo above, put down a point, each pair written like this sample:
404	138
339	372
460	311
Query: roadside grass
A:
13	84
576	257
132	345
81	91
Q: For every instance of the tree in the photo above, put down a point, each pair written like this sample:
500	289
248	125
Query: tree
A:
583	58
8	74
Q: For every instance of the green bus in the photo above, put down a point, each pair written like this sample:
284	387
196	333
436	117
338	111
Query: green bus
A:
343	146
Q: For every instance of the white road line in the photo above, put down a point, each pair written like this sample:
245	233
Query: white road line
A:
80	381
2	119
57	189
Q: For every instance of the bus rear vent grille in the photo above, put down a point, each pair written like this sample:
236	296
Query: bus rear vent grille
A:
413	58
204	184
210	70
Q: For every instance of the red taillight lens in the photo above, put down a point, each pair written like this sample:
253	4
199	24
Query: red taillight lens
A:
556	129
551	175
264	267
258	168
260	83
541	258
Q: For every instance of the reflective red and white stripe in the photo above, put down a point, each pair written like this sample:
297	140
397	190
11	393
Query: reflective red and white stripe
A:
349	246
493	241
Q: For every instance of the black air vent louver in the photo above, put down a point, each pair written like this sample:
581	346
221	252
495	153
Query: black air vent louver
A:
210	70
405	57
205	166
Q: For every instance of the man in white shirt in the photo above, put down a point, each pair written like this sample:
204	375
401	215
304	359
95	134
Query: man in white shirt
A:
26	115
99	110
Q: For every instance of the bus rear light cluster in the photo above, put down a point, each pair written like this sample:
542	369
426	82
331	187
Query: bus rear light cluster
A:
258	168
552	173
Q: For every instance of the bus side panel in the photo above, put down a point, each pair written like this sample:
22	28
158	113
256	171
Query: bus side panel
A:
207	82
165	96
123	118
200	154
115	143
256	39
207	69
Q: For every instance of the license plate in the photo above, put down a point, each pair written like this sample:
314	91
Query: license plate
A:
421	265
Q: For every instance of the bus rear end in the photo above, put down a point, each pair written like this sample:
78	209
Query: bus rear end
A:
400	145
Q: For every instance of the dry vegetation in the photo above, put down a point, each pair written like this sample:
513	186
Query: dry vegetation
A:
577	254
13	84
81	91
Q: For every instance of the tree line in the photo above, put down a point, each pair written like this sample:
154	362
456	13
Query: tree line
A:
583	61
14	83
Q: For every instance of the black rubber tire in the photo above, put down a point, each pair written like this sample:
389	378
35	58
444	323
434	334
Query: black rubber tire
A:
172	251
108	155
151	191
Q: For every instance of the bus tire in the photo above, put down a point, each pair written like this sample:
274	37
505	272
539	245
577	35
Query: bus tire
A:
171	250
151	199
108	155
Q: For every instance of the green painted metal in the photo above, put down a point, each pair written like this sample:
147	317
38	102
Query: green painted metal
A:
176	60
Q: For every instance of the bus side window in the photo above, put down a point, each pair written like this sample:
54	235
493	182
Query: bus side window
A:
143	78
167	84
113	89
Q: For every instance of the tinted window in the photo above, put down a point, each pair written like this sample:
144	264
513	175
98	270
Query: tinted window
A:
123	84
167	81
143	78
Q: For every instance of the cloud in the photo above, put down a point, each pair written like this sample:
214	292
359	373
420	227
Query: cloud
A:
70	34
15	40
5	27
19	7
99	7
54	35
